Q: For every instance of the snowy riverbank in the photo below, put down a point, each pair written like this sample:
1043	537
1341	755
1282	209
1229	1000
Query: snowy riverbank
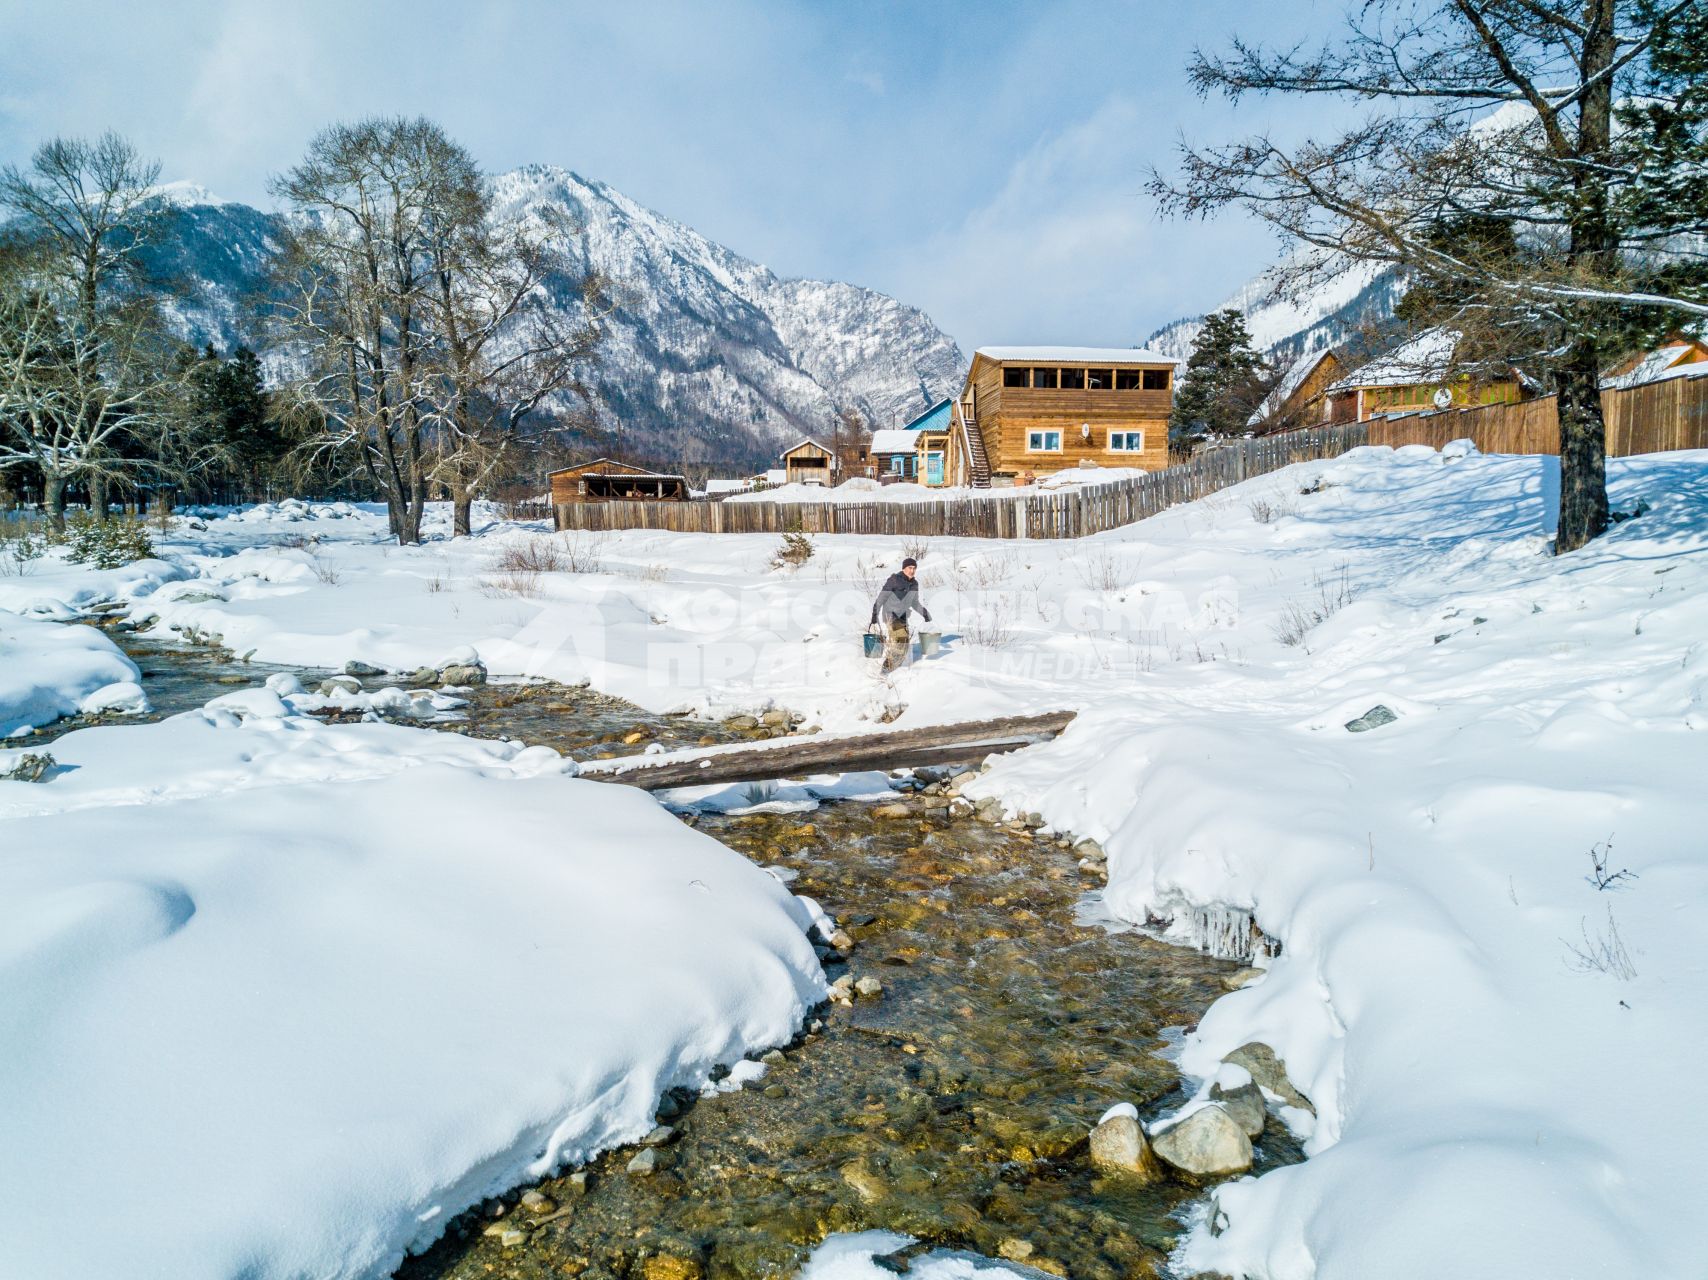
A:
1453	995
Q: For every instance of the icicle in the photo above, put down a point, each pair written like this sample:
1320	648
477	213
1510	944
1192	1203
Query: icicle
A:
1228	933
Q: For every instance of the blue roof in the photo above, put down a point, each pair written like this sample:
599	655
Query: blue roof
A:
936	418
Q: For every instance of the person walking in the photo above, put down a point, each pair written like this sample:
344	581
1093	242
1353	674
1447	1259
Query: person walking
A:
898	597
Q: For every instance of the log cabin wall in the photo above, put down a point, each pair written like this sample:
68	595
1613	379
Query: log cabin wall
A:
1008	415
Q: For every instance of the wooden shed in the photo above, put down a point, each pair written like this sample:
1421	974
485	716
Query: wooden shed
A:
809	462
603	480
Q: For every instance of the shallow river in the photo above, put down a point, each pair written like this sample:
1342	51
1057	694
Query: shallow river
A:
953	1107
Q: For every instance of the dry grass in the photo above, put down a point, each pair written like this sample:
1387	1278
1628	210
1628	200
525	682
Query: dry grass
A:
1333	592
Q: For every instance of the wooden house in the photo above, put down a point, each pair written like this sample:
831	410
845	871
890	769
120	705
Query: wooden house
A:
1299	398
1026	412
1418	376
895	450
603	480
1680	356
809	462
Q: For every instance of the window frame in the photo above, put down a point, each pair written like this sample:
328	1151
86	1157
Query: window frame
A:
1045	432
1053	371
1025	372
1109	439
1062	375
1137	375
1108	379
1161	375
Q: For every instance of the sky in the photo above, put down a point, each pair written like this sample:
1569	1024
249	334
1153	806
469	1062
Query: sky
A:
983	161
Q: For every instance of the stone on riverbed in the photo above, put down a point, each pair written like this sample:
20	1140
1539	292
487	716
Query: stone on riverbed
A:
645	1163
1118	1145
869	988
1269	1072
1208	1143
1244	1102
892	811
336	685
463	673
354	668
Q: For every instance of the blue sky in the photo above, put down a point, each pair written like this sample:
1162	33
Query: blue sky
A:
984	161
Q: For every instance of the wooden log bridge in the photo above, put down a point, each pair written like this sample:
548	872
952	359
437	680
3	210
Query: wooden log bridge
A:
797	756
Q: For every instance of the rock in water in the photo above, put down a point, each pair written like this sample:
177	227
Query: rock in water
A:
1207	1144
463	673
892	811
644	1163
1374	718
1118	1145
354	668
1245	1105
1269	1072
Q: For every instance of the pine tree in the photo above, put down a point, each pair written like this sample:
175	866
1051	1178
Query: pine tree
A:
1226	379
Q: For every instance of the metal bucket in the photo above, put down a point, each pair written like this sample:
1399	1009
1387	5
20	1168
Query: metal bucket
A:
929	642
874	645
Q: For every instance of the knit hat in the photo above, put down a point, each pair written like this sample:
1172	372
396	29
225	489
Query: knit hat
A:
910	561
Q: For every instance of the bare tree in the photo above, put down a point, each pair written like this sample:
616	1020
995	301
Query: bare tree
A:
355	280
82	213
69	397
1493	112
503	349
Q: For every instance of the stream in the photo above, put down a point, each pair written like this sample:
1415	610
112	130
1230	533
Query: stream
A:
953	1107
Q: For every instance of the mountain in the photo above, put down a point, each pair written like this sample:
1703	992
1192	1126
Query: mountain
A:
709	357
1328	316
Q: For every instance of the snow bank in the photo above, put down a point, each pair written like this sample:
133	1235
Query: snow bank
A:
281	998
1452	993
48	670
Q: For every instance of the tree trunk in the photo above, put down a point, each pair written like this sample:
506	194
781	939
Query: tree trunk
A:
1583	450
53	498
461	502
1594	249
98	498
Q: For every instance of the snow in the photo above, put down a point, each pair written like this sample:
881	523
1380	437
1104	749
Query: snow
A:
894	440
283	998
851	1257
1488	1103
1425	358
48	670
1088	355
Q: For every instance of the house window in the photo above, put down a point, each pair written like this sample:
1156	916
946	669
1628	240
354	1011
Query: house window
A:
1126	442
1127	379
1156	380
1099	379
1073	379
898	464
1014	377
1045	378
1043	442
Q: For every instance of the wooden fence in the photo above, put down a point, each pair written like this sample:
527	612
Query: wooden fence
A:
1067	513
1654	418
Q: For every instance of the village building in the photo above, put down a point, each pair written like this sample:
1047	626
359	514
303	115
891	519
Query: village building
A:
1300	397
1027	412
1418	376
895	450
1679	356
603	480
809	462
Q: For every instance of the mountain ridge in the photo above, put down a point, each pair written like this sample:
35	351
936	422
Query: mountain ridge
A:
709	357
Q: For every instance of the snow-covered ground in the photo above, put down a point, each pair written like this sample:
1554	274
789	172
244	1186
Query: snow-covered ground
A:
1493	1045
279	998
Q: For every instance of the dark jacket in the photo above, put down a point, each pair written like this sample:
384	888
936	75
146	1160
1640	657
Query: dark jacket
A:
899	594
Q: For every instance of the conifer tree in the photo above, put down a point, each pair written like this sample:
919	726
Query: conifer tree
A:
1225	380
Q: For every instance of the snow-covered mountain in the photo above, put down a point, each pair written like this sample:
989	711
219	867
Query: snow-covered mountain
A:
709	357
1286	329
